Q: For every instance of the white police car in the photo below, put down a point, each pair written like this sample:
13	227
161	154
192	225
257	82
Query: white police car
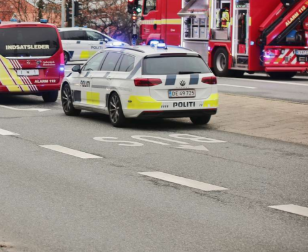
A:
142	82
82	43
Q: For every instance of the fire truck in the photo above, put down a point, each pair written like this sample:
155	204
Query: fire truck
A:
270	36
159	21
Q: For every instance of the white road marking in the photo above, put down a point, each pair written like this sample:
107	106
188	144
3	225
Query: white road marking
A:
7	133
69	151
303	211
276	82
28	109
236	86
196	138
190	147
121	143
144	138
183	181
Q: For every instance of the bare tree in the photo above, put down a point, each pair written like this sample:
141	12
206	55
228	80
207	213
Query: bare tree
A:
108	16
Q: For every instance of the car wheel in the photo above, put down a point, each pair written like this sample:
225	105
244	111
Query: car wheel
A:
200	120
116	115
66	57
221	63
50	96
67	101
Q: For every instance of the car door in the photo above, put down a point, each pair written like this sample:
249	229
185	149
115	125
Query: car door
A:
85	80
95	42
100	82
78	45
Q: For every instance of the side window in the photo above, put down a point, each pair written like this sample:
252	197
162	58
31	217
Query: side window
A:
76	35
95	63
111	61
94	36
149	5
127	63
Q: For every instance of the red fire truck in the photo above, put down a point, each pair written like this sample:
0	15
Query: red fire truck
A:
258	36
159	21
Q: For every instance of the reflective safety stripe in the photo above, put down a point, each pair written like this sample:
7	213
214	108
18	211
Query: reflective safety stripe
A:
87	54
143	102
162	22
9	77
211	102
92	98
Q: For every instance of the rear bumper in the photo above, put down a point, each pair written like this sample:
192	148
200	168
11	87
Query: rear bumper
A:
29	89
287	69
176	114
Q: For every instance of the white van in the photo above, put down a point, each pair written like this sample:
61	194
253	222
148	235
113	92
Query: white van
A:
82	43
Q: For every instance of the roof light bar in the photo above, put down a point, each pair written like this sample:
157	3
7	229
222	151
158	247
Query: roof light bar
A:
44	21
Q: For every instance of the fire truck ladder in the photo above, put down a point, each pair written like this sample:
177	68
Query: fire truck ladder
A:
278	31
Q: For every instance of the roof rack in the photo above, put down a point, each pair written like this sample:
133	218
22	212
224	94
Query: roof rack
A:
126	48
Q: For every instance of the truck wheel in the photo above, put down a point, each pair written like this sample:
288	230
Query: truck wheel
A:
200	120
50	96
221	62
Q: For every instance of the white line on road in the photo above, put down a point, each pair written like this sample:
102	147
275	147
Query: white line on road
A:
69	151
183	181
7	133
236	86
275	82
292	209
28	109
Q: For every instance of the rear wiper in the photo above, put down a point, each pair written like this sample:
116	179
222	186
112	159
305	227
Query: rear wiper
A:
183	72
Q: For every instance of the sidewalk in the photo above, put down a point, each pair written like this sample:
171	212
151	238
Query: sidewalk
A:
273	119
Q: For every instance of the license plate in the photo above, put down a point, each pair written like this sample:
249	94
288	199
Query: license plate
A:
30	72
301	52
188	93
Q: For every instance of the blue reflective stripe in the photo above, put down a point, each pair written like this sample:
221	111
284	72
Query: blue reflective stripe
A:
71	53
137	67
194	79
170	80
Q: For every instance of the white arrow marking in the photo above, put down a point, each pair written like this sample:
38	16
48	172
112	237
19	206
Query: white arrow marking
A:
29	109
190	147
144	138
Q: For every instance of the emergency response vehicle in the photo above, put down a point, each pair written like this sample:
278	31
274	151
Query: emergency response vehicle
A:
160	22
143	82
82	43
270	37
31	59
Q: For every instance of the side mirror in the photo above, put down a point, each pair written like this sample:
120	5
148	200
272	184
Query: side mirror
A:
76	69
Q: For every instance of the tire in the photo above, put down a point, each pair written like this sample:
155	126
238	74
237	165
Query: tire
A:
201	120
67	101
281	75
116	115
50	96
221	63
66	57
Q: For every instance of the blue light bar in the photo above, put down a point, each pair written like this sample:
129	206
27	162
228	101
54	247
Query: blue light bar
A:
13	20
117	43
44	21
161	45
154	43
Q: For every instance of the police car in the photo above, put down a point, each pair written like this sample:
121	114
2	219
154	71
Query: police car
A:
156	81
82	43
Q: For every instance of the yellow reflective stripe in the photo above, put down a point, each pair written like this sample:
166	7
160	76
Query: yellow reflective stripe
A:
14	75
6	79
162	22
143	102
211	102
92	98
87	54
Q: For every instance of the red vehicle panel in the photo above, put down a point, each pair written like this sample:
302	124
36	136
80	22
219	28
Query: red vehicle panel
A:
161	22
31	58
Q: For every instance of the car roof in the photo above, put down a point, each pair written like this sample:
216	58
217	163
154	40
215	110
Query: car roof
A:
25	24
149	50
76	29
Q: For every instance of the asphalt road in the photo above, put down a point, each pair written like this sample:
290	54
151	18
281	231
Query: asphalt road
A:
78	184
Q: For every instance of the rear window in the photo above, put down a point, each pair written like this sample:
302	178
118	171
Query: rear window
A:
28	41
174	65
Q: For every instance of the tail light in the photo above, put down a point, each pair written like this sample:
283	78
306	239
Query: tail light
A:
209	80
145	82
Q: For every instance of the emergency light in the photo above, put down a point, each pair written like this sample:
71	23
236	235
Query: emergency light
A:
161	45
117	43
13	20
44	21
154	43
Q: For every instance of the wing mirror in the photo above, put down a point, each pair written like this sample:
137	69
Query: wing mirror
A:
76	68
